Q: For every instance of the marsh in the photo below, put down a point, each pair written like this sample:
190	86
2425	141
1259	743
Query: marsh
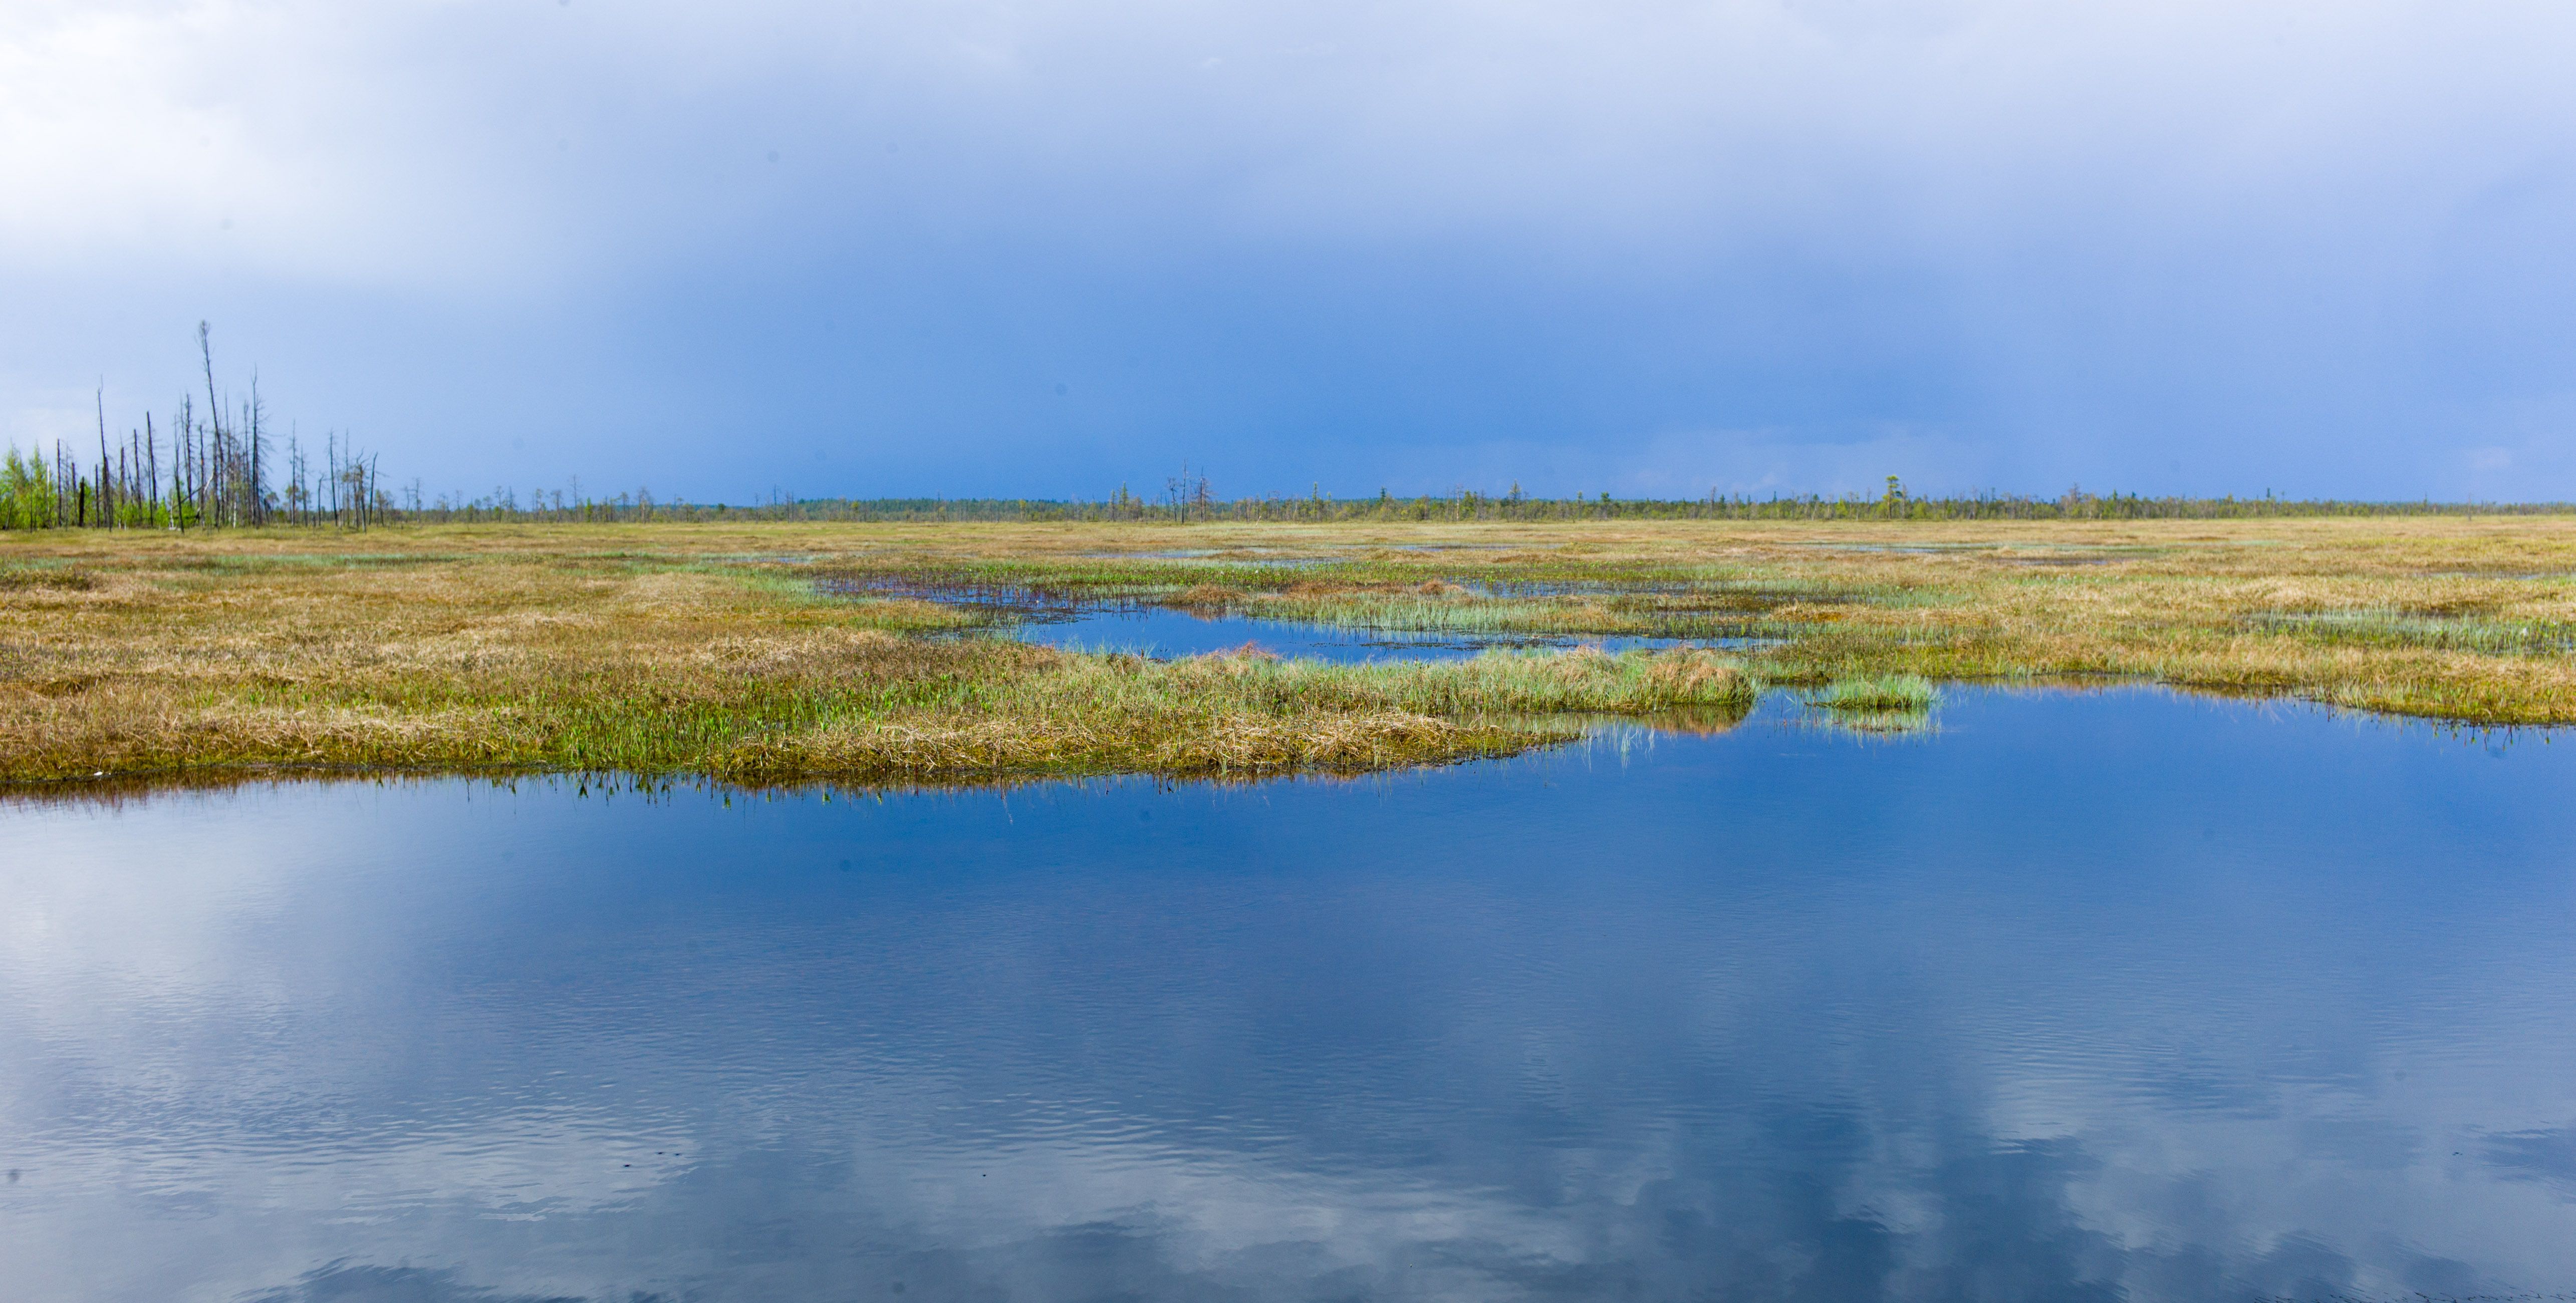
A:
645	912
820	652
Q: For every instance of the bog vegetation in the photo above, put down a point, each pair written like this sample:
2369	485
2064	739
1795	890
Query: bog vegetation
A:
786	651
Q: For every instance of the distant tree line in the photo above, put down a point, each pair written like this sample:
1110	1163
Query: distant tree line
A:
221	469
206	476
1196	505
1186	498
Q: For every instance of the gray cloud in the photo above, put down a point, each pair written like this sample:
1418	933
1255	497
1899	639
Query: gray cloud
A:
2165	244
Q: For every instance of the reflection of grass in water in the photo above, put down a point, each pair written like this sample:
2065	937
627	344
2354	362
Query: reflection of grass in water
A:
1712	714
1875	703
1874	723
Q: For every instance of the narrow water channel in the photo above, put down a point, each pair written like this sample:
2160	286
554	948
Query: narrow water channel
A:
1140	629
1160	631
2081	996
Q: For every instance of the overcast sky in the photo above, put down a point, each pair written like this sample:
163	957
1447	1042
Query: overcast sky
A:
1045	248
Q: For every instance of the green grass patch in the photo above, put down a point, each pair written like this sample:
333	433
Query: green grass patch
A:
2382	628
1909	693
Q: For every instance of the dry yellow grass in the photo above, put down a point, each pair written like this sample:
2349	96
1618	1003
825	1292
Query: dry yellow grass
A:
630	650
701	649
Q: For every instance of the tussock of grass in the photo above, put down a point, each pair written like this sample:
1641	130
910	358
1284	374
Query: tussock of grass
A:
1656	608
1875	723
1248	713
1877	693
1214	741
21	578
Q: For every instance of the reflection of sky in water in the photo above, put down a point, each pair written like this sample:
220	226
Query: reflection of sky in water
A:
2083	997
1158	631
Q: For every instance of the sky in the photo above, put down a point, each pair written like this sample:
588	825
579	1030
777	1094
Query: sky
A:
967	248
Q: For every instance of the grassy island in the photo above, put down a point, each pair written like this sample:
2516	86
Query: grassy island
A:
786	652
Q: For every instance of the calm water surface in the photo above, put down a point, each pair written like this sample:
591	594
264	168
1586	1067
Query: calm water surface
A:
2085	997
1157	631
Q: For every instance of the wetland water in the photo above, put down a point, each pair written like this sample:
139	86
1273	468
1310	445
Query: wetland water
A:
2098	996
1146	630
1159	631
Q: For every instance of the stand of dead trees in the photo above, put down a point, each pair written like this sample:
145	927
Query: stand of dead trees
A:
209	468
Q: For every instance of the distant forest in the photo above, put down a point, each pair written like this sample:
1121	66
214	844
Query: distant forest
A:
213	483
225	467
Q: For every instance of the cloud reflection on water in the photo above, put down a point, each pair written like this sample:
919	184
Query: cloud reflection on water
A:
2080	999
